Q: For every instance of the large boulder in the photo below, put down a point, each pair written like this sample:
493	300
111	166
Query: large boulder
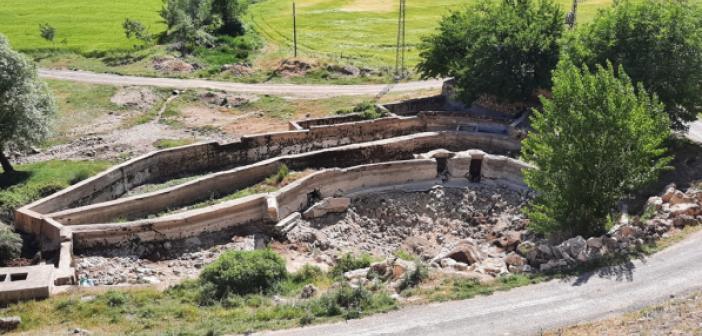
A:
689	209
465	252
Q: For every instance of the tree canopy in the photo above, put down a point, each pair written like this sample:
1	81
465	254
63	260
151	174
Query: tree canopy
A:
26	106
596	140
194	23
659	44
503	48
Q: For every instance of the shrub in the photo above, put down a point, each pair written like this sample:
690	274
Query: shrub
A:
283	172
414	277
307	274
659	44
350	262
10	244
596	140
242	272
503	48
115	299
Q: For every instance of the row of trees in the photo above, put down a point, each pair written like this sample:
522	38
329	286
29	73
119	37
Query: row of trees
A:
616	86
509	48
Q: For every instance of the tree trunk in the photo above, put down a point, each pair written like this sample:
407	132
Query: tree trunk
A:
6	165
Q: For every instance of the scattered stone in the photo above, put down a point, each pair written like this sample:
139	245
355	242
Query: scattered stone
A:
514	259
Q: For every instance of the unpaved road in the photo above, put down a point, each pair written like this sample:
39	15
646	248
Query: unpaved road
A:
528	310
287	90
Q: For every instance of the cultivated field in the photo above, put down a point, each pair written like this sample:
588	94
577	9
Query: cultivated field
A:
86	25
362	30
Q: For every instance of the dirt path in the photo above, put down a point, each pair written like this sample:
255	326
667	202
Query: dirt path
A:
285	90
529	310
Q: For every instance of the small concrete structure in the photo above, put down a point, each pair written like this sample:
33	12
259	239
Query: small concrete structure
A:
24	283
350	155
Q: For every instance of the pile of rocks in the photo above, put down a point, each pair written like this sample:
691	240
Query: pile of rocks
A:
469	231
392	272
181	263
172	64
664	215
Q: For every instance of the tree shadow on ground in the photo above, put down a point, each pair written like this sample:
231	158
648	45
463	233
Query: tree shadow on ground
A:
13	178
618	269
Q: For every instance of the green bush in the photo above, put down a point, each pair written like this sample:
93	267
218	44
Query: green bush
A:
597	140
503	48
659	44
10	244
307	274
350	262
242	272
115	299
283	172
414	277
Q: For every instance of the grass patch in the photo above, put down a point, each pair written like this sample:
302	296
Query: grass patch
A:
457	288
86	25
271	106
37	180
362	32
171	143
181	309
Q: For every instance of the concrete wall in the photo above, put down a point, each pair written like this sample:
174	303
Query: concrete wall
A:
417	105
223	183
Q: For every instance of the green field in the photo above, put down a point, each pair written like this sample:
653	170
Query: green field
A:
364	30
349	31
86	25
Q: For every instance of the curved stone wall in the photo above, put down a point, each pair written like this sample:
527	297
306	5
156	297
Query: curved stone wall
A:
350	156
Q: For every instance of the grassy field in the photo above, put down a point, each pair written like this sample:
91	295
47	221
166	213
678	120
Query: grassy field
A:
361	30
86	25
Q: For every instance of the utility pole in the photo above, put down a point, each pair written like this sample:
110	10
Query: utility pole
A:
572	15
401	42
294	29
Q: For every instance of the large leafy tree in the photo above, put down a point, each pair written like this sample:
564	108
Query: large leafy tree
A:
230	11
194	23
26	106
658	42
503	48
596	140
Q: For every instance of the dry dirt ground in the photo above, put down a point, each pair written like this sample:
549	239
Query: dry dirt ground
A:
678	316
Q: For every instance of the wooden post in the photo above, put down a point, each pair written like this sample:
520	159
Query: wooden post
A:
294	29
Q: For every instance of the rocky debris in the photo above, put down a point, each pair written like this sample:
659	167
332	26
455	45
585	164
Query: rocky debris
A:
181	261
392	271
225	99
345	70
237	70
326	206
139	98
172	64
294	68
308	291
671	211
79	332
453	229
9	323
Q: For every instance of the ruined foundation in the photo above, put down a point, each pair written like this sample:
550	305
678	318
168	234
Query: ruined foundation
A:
351	156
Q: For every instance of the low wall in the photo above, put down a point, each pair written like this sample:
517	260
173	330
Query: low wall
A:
223	183
414	106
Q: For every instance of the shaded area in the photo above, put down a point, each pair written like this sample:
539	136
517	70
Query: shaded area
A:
686	172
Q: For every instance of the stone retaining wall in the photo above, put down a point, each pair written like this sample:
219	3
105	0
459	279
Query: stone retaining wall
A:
89	214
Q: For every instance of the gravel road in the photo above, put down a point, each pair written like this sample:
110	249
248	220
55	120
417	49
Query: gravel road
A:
286	90
528	310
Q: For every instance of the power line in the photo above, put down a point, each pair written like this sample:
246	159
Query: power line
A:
400	71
